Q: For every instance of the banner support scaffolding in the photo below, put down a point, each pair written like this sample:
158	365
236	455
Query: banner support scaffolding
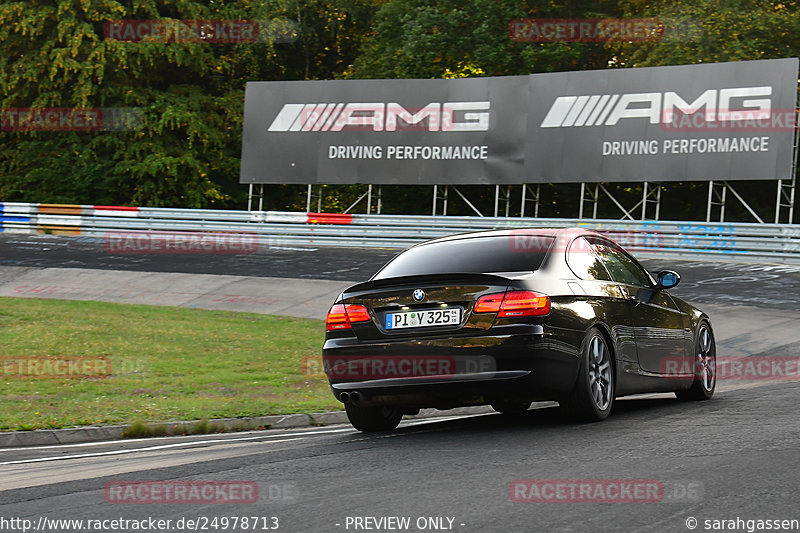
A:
259	195
506	199
786	188
718	197
592	197
444	198
651	194
534	197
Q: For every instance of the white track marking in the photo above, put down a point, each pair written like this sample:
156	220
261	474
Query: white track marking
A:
128	451
268	439
315	431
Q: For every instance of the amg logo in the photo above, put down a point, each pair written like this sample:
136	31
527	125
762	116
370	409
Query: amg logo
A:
608	109
448	116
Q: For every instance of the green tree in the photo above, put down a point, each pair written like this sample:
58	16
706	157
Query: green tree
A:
449	38
713	31
190	94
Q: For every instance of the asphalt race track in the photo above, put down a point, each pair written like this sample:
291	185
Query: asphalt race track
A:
704	281
284	262
733	458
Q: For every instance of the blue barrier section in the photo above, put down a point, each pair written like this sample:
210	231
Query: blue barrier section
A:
10	218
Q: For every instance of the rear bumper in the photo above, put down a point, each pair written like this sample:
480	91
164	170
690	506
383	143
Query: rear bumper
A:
519	363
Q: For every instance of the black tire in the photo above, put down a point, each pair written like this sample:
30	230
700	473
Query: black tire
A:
511	407
593	396
373	418
705	367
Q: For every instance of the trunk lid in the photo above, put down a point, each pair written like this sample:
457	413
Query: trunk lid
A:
423	305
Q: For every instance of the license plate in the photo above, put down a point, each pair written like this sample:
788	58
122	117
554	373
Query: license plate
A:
424	318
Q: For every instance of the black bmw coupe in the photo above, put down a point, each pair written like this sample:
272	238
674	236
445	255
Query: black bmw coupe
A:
507	318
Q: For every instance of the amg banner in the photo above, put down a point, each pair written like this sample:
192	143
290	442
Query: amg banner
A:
721	121
385	131
731	121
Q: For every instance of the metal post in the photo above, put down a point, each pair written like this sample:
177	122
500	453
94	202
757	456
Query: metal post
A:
786	191
647	197
658	202
380	198
722	202
250	197
444	198
435	194
308	199
595	199
524	197
786	199
261	198
496	198
716	198
525	200
369	199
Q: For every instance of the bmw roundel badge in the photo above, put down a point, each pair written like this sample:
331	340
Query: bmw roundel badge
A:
419	295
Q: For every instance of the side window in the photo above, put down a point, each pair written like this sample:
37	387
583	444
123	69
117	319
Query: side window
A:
583	261
621	267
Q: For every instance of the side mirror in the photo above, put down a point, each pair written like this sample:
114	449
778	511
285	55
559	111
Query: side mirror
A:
667	279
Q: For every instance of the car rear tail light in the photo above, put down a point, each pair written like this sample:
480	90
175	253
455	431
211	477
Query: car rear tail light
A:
337	318
357	313
489	303
341	316
524	303
514	304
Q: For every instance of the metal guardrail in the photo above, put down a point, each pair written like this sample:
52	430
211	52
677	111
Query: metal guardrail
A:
774	243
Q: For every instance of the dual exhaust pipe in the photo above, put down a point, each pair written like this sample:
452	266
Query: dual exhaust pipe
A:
351	397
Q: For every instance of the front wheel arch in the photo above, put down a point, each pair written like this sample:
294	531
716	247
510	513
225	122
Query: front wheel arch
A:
699	389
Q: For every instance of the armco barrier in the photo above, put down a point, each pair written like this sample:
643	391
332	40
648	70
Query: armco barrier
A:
774	243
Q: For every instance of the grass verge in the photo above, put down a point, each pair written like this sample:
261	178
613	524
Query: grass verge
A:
166	364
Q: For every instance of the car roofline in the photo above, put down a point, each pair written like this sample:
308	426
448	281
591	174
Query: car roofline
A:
544	231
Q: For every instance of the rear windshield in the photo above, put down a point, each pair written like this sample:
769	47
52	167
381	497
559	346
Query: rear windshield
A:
476	255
